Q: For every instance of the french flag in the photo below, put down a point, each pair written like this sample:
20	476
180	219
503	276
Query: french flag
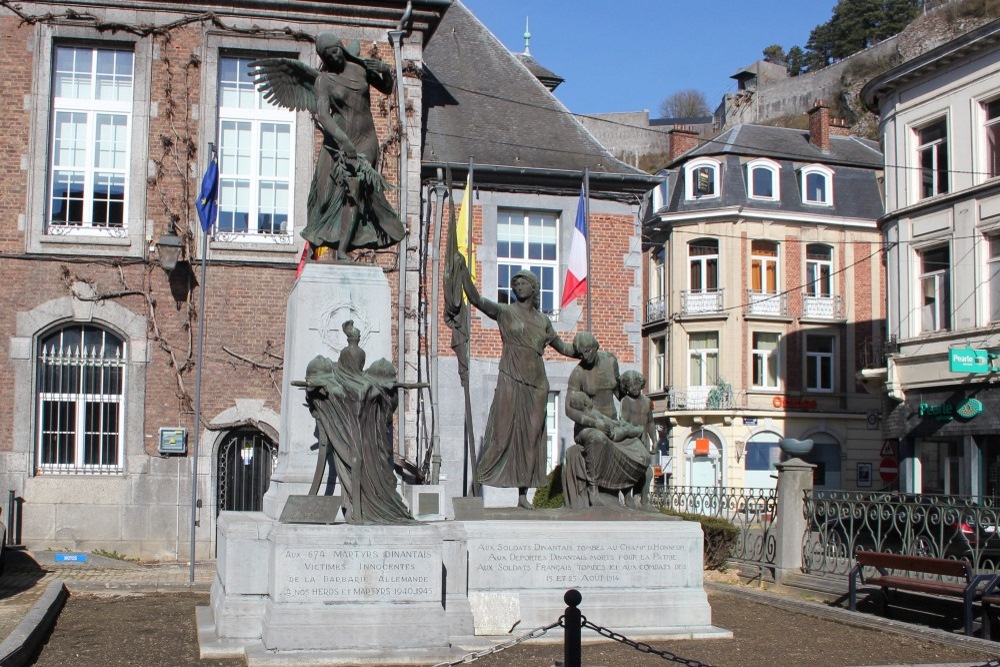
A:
576	271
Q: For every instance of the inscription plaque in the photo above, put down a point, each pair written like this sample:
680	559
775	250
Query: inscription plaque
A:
597	562
357	574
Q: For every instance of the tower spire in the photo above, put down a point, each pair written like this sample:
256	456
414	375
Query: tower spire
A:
527	37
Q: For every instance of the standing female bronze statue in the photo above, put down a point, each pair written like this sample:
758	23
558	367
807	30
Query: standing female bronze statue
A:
346	207
514	443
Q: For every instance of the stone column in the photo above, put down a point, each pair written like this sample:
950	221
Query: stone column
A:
795	477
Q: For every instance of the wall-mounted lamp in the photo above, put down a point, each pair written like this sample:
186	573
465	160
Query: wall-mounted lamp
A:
169	249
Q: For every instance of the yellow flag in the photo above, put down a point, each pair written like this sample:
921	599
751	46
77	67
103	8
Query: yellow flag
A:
466	248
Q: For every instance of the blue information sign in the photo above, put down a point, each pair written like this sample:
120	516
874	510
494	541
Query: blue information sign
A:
71	558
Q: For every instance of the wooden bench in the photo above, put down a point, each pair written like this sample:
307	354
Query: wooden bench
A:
969	588
989	601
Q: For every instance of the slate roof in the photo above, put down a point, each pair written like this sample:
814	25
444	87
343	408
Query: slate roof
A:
480	100
543	74
855	163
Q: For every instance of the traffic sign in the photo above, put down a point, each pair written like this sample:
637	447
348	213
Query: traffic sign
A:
888	470
888	450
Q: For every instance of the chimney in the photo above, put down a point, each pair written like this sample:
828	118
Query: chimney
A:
819	126
682	139
839	128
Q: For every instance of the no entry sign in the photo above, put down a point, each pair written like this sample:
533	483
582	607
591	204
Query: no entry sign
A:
888	470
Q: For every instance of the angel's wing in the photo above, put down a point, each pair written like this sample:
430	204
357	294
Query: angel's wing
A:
285	82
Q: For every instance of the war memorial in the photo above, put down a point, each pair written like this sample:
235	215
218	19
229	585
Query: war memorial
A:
342	566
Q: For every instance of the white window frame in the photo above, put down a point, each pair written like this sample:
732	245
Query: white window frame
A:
759	264
703	355
545	269
761	360
772	168
691	171
933	149
89	109
256	116
658	363
701	263
57	389
815	276
822	363
993	276
991	138
933	286
818	171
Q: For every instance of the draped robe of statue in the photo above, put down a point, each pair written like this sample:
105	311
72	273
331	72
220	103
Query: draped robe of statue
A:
353	410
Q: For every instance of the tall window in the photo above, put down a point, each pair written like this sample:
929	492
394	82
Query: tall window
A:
91	119
528	240
80	389
764	267
932	152
819	269
256	155
703	257
765	359
994	272
819	362
935	289
817	185
703	349
992	111
762	179
658	365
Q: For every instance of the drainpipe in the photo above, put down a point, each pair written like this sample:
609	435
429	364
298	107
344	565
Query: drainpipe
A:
396	37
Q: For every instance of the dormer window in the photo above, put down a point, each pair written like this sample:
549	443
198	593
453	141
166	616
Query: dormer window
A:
817	185
702	179
762	180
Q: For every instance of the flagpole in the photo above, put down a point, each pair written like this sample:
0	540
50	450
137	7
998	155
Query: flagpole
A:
469	438
590	238
197	388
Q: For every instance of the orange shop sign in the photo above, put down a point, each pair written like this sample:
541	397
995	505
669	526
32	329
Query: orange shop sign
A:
793	403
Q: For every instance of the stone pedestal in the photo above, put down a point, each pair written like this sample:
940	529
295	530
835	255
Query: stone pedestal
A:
426	593
323	298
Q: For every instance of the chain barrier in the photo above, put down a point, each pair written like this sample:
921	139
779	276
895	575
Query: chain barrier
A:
511	643
642	646
995	662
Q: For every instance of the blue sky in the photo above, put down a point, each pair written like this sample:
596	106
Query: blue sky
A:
630	54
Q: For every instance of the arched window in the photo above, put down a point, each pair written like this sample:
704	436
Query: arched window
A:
246	459
762	180
80	391
817	185
702	178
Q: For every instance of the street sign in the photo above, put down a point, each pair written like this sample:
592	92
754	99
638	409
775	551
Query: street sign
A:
968	360
888	470
888	450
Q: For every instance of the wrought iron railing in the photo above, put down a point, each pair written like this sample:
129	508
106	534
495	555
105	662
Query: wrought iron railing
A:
698	303
656	309
839	523
822	307
766	303
751	510
874	351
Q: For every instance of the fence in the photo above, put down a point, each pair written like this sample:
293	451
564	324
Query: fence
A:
751	510
841	522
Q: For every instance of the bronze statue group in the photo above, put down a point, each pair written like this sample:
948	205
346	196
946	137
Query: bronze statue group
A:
347	210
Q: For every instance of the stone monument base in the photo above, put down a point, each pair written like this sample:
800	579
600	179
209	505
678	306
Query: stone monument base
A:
342	594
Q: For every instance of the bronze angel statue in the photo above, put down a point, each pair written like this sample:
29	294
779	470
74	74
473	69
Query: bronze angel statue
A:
347	208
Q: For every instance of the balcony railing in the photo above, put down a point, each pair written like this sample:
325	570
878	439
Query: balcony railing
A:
822	307
656	309
702	397
697	303
873	351
766	303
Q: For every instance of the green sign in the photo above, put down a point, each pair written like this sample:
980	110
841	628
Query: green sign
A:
968	360
966	409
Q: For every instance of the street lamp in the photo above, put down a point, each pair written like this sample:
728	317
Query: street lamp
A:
169	249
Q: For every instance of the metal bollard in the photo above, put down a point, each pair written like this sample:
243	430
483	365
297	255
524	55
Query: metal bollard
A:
572	622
